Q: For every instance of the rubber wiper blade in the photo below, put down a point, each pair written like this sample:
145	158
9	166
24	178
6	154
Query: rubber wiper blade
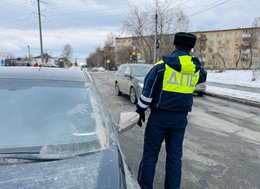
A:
36	157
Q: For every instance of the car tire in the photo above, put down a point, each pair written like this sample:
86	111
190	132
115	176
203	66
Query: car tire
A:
118	92
132	95
200	93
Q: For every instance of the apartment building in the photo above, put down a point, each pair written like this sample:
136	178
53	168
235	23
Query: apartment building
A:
124	42
230	49
217	49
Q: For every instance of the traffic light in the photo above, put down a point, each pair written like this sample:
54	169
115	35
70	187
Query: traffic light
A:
134	56
157	44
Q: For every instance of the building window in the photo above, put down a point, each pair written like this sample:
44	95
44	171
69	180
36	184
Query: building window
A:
123	41
218	49
235	56
226	56
245	55
210	63
219	35
210	50
244	63
236	48
227	64
228	34
210	57
211	35
227	41
254	55
237	33
219	42
211	42
218	64
237	41
129	41
203	43
117	41
246	32
227	49
118	47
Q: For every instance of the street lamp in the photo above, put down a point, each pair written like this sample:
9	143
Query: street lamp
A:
28	49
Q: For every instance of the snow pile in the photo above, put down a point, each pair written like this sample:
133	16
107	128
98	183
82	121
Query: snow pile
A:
234	77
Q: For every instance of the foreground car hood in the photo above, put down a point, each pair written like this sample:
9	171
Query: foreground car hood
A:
99	170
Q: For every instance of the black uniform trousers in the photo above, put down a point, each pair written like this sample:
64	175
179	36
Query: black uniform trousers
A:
169	127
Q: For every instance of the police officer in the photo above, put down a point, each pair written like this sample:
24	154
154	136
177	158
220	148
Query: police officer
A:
167	91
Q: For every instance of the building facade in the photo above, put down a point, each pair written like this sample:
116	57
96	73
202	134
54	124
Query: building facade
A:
216	49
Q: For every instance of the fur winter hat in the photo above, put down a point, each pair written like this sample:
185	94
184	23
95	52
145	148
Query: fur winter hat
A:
184	39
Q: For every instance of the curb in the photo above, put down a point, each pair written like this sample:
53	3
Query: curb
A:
235	99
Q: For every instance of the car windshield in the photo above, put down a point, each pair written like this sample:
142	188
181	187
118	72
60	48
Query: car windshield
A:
50	118
140	71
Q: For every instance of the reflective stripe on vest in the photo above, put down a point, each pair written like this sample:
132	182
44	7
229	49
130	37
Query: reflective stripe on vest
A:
181	82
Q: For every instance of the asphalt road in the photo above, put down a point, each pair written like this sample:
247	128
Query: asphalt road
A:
221	145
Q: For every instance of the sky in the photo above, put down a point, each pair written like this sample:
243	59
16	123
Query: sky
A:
85	24
234	77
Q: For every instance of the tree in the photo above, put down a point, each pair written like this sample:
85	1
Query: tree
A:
256	66
109	51
67	52
239	55
201	45
123	55
141	24
9	55
96	58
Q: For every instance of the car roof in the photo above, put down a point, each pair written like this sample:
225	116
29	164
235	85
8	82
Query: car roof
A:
136	64
43	73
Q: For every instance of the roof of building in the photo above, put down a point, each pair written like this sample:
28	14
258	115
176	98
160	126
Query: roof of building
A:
44	56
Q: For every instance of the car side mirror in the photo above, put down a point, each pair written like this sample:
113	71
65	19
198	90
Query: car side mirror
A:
126	121
126	74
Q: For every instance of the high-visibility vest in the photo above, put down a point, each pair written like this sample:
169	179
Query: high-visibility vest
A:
181	82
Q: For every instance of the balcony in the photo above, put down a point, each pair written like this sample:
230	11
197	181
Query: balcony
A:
244	58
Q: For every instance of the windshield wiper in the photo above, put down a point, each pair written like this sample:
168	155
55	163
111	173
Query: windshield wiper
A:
43	157
35	157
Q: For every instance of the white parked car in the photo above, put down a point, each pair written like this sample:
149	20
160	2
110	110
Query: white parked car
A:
201	89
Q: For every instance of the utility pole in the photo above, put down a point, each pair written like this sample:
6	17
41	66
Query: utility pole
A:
40	28
155	36
28	50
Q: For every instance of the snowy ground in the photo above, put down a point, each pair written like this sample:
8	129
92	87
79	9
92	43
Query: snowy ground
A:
236	77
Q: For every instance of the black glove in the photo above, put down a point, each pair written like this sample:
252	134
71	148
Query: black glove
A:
141	118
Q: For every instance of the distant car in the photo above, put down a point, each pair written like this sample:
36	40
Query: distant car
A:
200	89
98	69
129	79
56	132
84	67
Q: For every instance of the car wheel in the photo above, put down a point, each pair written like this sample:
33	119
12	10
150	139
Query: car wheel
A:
132	95
200	93
118	92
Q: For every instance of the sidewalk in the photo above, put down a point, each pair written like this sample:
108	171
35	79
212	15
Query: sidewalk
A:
242	94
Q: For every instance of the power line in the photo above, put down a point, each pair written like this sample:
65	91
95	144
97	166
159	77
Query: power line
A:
250	13
12	6
211	7
208	7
